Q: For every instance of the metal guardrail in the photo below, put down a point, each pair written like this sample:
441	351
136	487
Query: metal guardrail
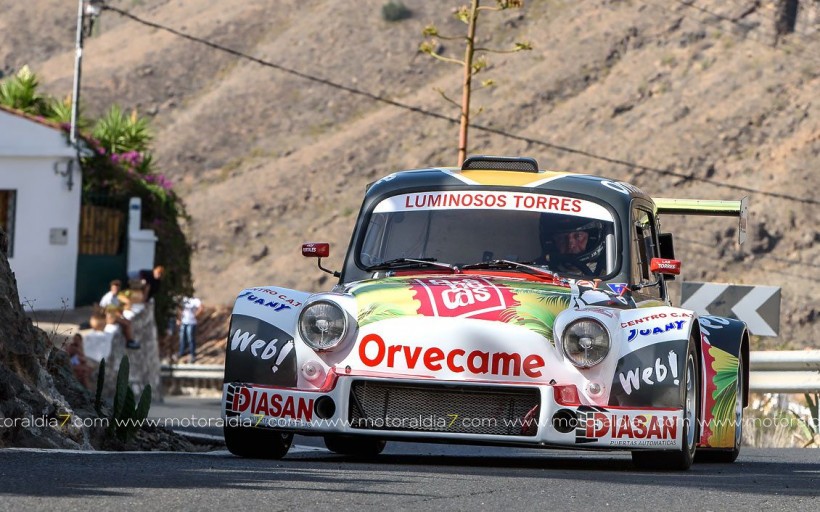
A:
794	371
786	371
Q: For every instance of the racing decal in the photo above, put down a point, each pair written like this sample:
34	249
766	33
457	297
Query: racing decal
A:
653	331
622	187
584	296
527	304
660	317
723	399
493	200
261	300
284	298
267	403
721	338
649	376
259	352
617	288
374	352
463	297
628	428
476	177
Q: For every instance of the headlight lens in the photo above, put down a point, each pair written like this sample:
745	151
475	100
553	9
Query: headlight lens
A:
322	325
586	343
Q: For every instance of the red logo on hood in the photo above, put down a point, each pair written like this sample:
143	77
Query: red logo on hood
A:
473	297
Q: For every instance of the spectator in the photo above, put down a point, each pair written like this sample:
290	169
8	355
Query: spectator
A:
114	320
76	355
189	309
151	281
111	298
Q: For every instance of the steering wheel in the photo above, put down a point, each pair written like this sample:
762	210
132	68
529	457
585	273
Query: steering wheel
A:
570	261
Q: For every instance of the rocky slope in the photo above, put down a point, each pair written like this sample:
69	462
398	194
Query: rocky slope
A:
266	159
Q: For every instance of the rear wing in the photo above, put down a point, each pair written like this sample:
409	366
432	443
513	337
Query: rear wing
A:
710	207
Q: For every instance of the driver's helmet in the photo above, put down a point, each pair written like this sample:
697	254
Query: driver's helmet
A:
565	238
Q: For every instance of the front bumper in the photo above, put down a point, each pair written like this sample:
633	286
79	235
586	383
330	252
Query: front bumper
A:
428	410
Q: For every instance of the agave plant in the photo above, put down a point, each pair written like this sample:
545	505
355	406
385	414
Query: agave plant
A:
59	111
20	93
120	133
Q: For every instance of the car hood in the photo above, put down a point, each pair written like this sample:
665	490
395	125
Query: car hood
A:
517	301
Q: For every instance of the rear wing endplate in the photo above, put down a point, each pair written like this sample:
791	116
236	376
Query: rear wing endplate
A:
710	207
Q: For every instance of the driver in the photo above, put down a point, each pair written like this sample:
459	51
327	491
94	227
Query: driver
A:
571	242
576	246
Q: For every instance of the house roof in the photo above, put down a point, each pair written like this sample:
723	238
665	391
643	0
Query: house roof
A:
37	119
31	136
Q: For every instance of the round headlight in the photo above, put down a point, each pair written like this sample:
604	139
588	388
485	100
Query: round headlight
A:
586	343
322	325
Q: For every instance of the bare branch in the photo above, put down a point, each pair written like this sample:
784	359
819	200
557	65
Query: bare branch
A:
429	47
519	46
446	98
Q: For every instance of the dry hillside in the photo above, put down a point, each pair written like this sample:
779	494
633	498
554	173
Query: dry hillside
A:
266	159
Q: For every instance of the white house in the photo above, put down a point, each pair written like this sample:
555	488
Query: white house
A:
40	185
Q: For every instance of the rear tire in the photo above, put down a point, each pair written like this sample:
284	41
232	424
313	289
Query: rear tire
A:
690	397
257	443
355	446
729	456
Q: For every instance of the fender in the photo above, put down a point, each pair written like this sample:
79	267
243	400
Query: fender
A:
652	357
260	346
724	342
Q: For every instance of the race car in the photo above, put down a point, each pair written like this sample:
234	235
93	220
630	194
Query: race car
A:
495	304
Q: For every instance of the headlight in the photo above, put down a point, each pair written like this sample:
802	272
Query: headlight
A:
586	343
322	325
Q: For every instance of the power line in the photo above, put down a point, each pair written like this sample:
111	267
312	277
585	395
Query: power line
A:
419	110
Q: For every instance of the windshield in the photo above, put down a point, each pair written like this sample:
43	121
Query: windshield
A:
570	236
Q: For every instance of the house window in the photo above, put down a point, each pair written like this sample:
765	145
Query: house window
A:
7	208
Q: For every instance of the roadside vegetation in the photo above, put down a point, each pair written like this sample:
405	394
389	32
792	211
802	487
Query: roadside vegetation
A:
115	155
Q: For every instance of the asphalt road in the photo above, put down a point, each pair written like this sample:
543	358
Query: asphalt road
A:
418	477
406	476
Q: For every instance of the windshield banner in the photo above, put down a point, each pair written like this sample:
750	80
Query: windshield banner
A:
493	200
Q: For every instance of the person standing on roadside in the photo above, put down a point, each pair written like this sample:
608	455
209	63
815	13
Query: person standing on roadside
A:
150	281
189	309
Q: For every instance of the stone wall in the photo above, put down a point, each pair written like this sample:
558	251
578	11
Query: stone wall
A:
144	363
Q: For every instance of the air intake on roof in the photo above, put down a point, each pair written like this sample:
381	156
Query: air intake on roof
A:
500	163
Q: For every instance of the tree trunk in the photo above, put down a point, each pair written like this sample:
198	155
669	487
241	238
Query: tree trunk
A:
468	77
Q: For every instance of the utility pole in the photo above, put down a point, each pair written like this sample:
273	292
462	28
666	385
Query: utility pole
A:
92	9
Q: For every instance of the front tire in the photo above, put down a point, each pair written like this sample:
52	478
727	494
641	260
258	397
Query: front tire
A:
257	443
355	446
690	397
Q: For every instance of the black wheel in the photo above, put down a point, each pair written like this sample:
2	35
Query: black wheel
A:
690	396
257	443
355	446
729	456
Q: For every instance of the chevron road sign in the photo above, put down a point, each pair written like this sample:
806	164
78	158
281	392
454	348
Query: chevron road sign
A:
758	306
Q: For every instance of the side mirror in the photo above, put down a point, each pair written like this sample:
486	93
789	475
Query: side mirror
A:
666	246
316	250
319	250
665	266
